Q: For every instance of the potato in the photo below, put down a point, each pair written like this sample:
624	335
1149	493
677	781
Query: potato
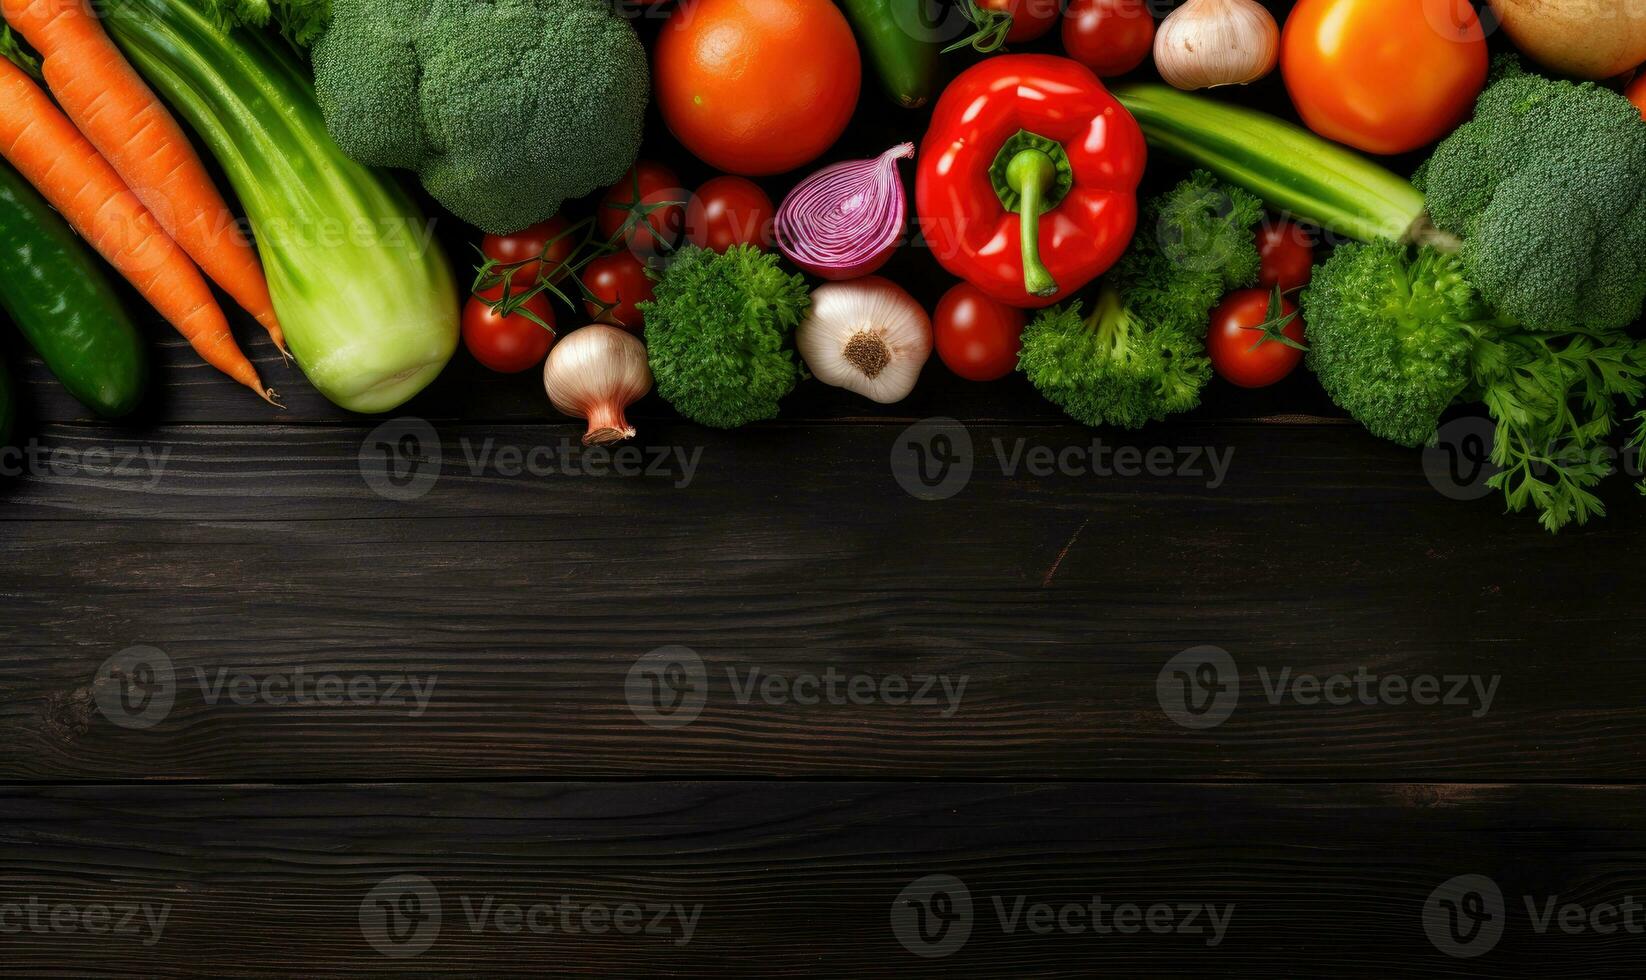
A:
1583	38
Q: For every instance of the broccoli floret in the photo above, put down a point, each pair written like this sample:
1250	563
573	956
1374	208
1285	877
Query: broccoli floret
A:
1141	354
1391	339
504	108
1397	338
1201	248
717	334
1547	188
1114	367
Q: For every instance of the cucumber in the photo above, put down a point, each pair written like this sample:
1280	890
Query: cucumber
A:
58	295
904	51
1290	168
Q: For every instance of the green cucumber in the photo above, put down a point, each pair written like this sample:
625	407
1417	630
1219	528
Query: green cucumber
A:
59	297
1290	168
903	50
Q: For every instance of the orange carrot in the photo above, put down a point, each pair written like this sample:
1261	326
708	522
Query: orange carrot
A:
51	154
119	113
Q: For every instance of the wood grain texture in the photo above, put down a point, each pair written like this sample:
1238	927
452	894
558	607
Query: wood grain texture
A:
1057	600
802	878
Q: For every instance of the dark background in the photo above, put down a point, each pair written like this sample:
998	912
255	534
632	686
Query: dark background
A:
261	550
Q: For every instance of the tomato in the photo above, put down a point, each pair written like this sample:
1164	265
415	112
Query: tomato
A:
729	211
1288	252
618	280
1237	327
978	337
1637	92
757	87
1111	37
1384	76
551	238
507	344
659	193
1030	18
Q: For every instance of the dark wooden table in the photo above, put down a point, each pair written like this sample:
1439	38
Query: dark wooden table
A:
287	693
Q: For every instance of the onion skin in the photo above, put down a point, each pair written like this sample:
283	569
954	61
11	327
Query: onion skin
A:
1592	39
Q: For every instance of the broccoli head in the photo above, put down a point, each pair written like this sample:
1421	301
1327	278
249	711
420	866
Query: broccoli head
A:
1113	367
505	108
717	334
1547	188
1396	338
1392	339
1140	355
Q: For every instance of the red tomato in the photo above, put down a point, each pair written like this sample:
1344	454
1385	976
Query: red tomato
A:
729	211
978	337
1637	91
1385	76
1233	340
551	238
1111	37
659	190
757	87
1030	18
507	344
1288	253
618	280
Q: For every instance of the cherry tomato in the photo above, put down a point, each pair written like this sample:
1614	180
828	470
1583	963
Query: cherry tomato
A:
757	87
507	344
978	337
551	238
729	211
1385	76
1111	37
618	280
660	191
1288	252
1637	92
1030	18
1233	340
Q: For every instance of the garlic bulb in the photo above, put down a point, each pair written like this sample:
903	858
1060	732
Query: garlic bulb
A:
1207	43
595	373
868	336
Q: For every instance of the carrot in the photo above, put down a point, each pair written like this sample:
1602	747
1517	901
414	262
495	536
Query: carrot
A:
120	114
52	155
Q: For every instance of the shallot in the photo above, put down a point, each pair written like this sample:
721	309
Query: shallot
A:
596	373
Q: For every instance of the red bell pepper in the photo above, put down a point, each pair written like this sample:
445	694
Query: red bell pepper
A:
1027	185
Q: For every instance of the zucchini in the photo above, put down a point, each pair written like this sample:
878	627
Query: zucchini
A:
1290	168
904	53
58	295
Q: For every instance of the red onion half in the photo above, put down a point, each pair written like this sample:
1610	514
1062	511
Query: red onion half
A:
845	221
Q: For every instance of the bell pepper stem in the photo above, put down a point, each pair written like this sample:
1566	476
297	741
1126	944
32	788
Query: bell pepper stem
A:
1032	173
